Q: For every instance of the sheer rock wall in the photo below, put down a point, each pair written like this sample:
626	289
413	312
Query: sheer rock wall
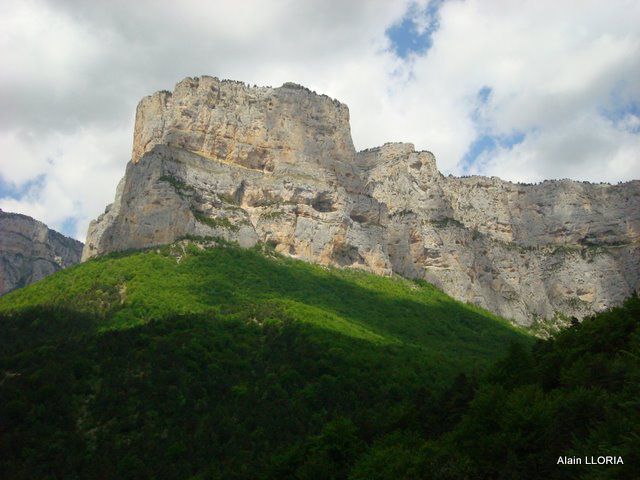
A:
277	165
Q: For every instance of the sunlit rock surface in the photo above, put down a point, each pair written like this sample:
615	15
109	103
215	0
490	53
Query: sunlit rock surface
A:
277	165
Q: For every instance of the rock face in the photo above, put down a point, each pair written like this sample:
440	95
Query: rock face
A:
29	251
277	165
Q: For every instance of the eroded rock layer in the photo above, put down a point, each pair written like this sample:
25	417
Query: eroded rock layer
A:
29	251
277	165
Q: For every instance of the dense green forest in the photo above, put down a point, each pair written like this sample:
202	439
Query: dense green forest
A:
184	362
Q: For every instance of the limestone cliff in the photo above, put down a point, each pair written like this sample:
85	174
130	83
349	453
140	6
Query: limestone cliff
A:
29	251
277	165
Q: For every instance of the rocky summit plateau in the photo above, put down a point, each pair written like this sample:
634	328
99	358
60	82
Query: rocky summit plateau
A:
29	251
218	158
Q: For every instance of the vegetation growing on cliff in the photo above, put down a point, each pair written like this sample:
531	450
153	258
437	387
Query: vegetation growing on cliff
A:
215	222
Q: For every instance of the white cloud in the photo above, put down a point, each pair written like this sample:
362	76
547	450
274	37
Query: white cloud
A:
590	145
548	64
79	172
73	72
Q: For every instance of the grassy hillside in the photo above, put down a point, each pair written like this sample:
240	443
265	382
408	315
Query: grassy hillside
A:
183	362
126	290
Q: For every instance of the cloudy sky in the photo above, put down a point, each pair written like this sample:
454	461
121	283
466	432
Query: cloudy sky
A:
525	90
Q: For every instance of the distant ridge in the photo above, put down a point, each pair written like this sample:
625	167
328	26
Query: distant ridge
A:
29	251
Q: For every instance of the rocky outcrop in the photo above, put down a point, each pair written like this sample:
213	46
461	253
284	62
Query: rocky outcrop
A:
277	165
29	251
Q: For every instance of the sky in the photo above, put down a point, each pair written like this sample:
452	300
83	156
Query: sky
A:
523	90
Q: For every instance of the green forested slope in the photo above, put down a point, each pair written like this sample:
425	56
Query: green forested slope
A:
226	363
125	290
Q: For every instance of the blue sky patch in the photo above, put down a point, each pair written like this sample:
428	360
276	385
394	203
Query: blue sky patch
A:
9	190
488	143
483	94
69	227
620	112
409	36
